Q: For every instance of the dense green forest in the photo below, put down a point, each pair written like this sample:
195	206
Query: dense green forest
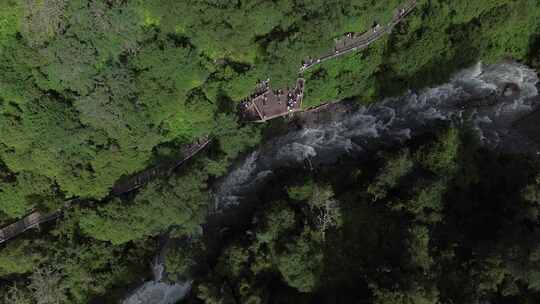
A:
91	91
439	221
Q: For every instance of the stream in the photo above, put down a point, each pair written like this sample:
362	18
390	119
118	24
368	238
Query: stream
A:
489	98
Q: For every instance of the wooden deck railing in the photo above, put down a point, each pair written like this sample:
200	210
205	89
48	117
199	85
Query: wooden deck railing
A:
29	221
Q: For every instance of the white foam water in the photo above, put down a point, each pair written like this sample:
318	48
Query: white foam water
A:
158	293
394	120
390	121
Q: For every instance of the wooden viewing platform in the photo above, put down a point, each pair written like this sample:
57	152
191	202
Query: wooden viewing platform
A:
354	42
138	180
266	104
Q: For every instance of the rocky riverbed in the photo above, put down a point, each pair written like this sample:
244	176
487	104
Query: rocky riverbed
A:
492	99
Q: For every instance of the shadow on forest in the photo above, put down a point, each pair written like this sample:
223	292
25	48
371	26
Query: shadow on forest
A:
461	54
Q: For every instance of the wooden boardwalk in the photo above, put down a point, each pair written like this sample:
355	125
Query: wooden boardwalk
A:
35	218
353	42
266	104
140	179
29	221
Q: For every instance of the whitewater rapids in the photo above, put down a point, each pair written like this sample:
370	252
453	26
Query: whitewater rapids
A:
488	97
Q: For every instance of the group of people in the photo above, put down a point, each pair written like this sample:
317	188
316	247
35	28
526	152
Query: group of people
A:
309	62
261	89
376	27
292	97
263	86
349	35
292	100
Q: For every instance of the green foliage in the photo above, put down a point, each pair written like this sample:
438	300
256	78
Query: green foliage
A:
417	294
181	201
300	262
19	197
302	192
18	257
232	139
70	67
46	288
10	19
86	270
389	176
93	90
17	62
211	294
167	73
277	222
16	295
69	268
181	261
426	203
531	193
234	260
441	158
418	245
43	19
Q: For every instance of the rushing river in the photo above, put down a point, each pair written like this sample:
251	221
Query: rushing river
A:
491	98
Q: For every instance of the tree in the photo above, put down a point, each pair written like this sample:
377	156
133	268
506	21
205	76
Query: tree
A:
180	262
300	262
42	20
26	192
16	295
326	208
180	202
46	288
19	257
70	66
276	222
416	295
389	176
232	139
441	157
10	19
418	247
427	202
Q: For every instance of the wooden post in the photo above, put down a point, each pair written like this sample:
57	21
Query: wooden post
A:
258	111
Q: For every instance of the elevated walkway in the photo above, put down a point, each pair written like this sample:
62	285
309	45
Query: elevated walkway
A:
29	221
353	42
142	178
35	218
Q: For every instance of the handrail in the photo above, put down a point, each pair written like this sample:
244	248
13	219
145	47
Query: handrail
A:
35	218
140	179
300	85
27	222
364	42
